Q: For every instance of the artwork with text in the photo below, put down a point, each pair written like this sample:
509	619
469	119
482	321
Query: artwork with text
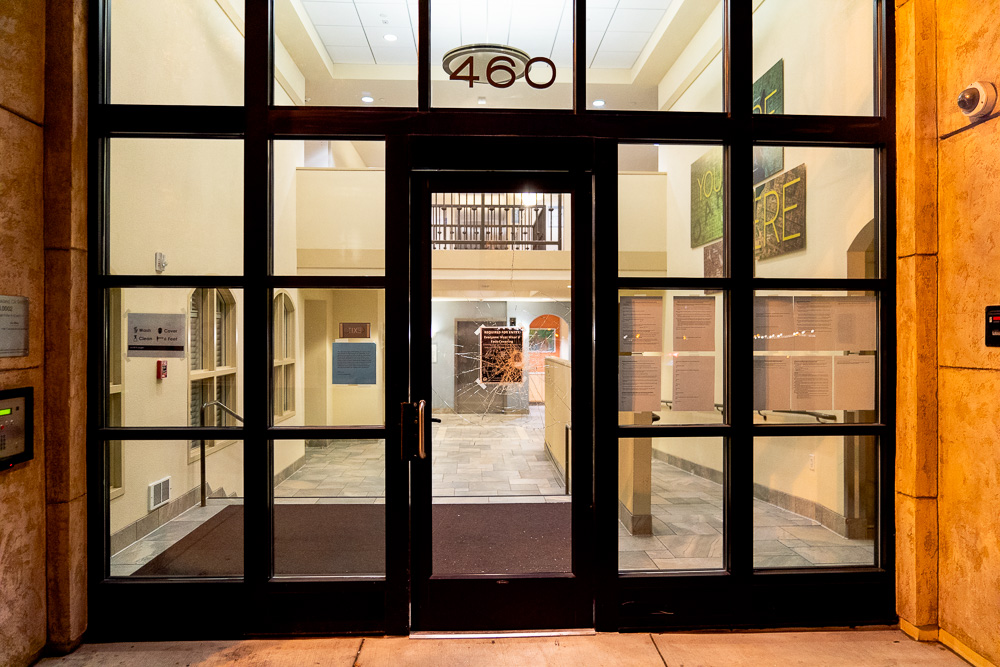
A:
779	214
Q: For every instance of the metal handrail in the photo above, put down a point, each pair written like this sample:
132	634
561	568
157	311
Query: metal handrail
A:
225	409
201	445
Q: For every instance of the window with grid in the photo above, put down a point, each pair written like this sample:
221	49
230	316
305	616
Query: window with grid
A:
284	357
211	362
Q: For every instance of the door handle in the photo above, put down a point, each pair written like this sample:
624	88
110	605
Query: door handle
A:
421	434
421	445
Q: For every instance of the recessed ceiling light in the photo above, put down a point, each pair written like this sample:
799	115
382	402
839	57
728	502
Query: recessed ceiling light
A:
598	103
367	99
481	100
389	38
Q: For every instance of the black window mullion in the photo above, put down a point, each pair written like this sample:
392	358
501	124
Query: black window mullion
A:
257	459
605	268
738	503
579	56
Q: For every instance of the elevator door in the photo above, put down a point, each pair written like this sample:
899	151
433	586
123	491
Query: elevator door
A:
499	517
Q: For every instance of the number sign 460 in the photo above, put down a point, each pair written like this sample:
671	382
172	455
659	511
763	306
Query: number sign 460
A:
502	67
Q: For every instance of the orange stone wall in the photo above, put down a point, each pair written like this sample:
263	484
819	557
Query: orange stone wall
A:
948	268
43	169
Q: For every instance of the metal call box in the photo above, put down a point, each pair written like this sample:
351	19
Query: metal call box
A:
16	426
992	326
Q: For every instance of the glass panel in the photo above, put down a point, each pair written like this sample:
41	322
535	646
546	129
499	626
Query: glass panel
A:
340	336
346	53
501	267
329	208
329	507
165	377
177	52
159	526
815	357
502	55
814	57
670	499
179	197
670	357
676	183
654	55
814	212
814	501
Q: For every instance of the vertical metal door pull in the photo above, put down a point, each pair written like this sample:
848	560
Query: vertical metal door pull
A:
421	448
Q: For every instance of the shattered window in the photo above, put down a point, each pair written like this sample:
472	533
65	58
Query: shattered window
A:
501	367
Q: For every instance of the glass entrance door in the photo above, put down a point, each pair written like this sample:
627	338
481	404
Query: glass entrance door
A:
499	515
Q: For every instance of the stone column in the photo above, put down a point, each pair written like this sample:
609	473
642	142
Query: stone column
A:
66	319
635	477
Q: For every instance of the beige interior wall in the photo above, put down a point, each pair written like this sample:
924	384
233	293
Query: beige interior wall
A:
177	52
948	566
703	452
342	404
181	197
827	48
341	220
642	223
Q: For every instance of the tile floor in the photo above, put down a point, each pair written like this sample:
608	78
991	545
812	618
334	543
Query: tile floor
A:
501	459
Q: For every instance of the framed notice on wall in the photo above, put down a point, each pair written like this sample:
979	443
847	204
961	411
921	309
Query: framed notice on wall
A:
354	363
13	326
159	335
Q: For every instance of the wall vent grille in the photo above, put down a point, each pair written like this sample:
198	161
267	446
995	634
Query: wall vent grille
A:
159	493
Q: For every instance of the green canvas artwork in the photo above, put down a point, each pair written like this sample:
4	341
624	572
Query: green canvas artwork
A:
706	198
769	98
779	215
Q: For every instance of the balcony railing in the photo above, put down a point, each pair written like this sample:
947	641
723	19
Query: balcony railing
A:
497	221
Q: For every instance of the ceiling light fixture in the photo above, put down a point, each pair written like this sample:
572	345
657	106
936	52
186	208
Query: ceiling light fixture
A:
454	63
367	99
389	38
598	103
481	100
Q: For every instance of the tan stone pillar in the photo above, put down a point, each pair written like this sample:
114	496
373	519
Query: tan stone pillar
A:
635	476
917	313
66	320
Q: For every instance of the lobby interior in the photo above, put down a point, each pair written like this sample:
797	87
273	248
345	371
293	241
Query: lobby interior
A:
503	450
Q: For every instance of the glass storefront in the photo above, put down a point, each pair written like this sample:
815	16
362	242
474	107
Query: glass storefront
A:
369	277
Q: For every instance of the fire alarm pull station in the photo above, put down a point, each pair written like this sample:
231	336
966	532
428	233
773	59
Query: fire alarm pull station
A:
161	369
16	426
992	326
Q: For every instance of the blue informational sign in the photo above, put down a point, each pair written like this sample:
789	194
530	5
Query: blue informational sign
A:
354	363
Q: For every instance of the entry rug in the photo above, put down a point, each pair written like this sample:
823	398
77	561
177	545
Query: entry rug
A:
347	539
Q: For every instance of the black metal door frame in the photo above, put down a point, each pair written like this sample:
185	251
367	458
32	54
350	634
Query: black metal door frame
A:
559	600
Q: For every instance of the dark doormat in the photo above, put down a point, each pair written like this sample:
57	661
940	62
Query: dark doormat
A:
350	539
502	538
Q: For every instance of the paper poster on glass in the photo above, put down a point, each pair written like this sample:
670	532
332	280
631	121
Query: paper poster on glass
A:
501	355
640	324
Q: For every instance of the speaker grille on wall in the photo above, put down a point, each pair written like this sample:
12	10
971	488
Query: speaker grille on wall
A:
159	493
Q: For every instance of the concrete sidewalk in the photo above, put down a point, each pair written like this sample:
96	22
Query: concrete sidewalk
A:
856	648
